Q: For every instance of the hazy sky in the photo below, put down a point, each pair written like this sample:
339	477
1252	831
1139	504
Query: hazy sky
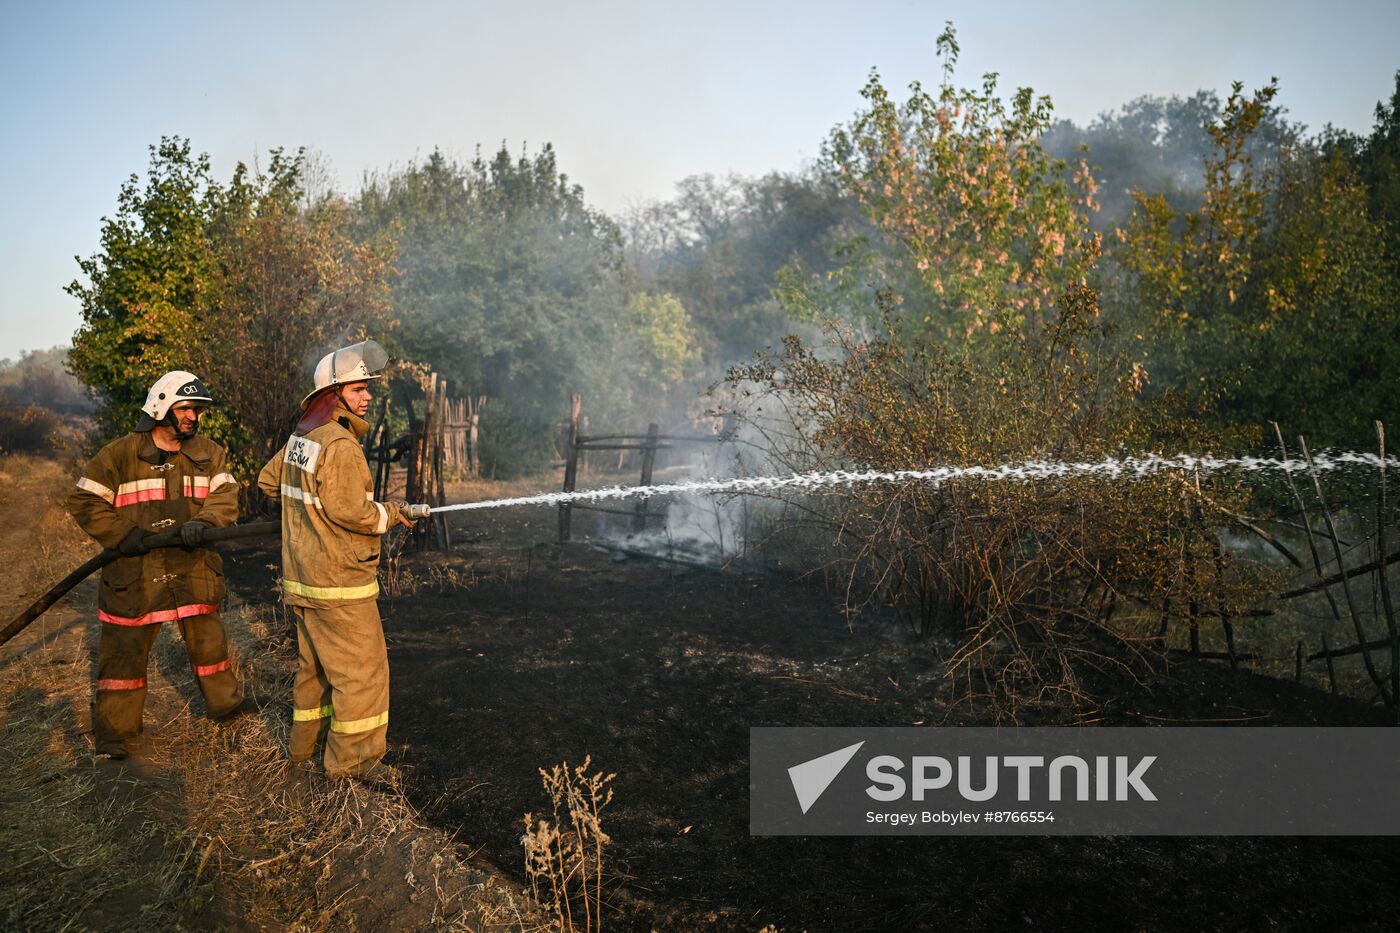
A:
634	95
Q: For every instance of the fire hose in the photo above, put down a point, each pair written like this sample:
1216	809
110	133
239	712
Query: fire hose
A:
163	539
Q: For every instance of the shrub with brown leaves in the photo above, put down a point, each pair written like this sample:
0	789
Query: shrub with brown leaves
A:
1043	581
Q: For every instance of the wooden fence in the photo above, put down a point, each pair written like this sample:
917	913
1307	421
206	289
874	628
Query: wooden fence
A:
578	444
442	443
1343	588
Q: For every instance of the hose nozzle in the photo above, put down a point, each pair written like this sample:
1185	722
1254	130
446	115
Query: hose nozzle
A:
415	512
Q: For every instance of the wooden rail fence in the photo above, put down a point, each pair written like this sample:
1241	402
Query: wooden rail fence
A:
577	445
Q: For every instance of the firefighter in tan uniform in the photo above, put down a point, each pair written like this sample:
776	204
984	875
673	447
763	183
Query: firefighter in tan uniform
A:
161	476
330	558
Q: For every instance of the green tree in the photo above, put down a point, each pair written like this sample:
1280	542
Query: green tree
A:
1376	159
514	288
144	284
719	244
1184	272
1160	145
1273	300
1316	343
658	344
501	263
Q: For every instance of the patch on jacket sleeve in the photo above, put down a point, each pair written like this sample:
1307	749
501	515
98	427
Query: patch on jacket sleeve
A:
302	453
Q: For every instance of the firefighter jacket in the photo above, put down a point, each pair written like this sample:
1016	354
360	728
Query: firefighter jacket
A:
330	521
132	483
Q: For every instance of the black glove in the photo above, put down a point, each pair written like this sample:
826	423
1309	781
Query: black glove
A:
192	533
134	544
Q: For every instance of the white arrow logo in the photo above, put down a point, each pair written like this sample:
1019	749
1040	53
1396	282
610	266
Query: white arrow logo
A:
811	778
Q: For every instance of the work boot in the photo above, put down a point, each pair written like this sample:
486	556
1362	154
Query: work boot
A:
379	777
248	705
302	781
114	749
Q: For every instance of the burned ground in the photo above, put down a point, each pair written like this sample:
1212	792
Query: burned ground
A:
516	653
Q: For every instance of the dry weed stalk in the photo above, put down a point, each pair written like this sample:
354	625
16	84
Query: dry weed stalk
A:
565	863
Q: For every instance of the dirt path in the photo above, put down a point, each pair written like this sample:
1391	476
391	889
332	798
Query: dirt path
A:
656	671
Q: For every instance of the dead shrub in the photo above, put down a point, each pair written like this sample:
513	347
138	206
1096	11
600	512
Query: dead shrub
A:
27	429
1041	581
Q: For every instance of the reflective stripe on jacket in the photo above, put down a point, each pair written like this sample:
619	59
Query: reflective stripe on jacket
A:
330	521
130	484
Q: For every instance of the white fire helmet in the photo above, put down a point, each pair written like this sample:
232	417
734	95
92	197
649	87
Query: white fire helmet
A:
173	387
359	362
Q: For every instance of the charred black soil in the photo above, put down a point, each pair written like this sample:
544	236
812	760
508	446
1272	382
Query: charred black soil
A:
657	671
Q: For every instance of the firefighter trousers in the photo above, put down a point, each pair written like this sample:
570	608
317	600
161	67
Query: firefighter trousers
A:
123	656
341	695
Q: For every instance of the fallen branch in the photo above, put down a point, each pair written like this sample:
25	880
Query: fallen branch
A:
1214	655
1335	578
1241	521
1351	649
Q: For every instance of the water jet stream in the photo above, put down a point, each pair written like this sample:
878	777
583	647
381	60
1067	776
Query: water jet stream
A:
1130	468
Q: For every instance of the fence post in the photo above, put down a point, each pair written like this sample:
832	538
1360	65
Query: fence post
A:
474	424
443	407
381	465
1382	516
430	436
415	454
585	462
570	466
639	521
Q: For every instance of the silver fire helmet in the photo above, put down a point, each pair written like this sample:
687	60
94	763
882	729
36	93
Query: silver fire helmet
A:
359	362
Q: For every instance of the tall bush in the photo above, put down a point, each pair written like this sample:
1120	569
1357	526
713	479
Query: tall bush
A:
967	333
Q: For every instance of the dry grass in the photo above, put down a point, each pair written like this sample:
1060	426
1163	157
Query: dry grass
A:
298	850
51	544
206	826
77	842
401	575
68	846
564	860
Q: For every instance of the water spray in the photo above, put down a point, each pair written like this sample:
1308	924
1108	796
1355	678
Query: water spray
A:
1129	468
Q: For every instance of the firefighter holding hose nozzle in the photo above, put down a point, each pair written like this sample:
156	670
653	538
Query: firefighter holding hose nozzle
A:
331	528
162	476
